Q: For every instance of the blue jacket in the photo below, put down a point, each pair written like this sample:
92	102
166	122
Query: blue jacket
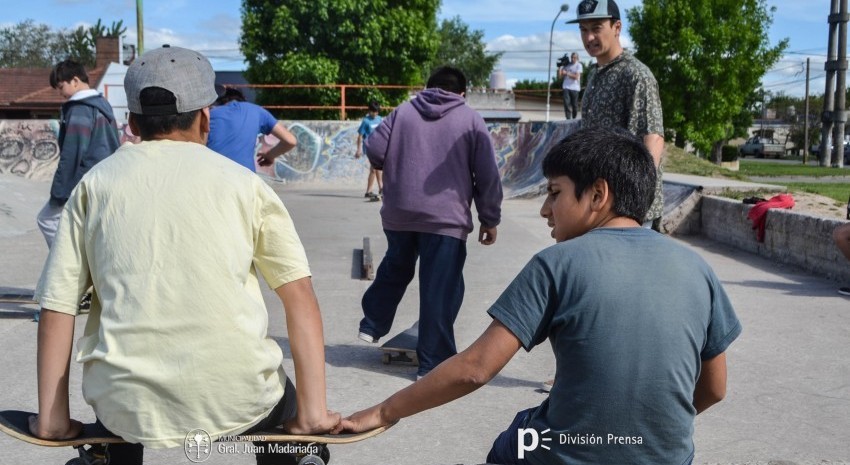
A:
87	135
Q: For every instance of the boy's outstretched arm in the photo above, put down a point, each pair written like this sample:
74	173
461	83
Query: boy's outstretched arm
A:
452	379
306	340
711	384
286	142
55	340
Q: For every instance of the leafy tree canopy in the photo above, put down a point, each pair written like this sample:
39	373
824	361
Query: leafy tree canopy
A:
337	42
464	49
30	45
708	56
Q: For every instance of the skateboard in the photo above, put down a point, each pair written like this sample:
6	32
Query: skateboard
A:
20	297
15	423
402	347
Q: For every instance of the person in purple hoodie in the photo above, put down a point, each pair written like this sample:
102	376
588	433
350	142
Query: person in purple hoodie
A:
437	159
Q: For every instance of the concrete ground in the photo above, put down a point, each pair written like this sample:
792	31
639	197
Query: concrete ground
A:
789	373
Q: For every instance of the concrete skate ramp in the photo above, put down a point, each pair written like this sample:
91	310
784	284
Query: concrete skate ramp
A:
20	201
325	152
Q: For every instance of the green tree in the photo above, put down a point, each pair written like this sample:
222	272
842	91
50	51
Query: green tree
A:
321	42
464	49
82	41
708	57
30	45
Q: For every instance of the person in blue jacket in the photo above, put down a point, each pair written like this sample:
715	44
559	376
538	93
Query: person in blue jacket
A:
87	134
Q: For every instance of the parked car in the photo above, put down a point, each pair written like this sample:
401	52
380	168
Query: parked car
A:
815	151
761	147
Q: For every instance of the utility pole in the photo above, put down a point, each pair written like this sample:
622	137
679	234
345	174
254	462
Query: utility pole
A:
140	27
840	116
806	121
833	116
563	9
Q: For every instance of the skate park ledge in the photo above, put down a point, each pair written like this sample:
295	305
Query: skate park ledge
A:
693	206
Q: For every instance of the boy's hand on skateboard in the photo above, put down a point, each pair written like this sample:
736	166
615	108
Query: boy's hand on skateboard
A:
361	421
57	430
327	423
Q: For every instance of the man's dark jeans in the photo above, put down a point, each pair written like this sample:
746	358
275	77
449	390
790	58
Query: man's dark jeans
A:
441	260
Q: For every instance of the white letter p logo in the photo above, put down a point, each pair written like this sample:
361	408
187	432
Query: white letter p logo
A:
520	441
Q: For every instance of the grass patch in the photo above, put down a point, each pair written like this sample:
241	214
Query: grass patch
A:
836	191
754	168
678	161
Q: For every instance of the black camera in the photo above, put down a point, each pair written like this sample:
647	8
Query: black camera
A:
564	60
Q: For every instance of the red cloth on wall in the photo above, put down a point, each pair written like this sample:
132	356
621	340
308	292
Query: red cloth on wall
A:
758	214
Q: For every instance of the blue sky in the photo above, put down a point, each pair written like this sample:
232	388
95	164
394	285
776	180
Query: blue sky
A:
520	28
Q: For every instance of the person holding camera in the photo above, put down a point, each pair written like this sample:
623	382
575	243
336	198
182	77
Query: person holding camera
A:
570	72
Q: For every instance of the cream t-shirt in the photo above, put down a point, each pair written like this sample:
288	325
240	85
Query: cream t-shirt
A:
170	234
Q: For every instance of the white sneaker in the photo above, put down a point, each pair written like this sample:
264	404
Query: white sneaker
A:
367	338
844	290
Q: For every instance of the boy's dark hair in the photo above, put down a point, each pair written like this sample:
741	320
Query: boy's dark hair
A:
614	155
229	94
374	106
154	125
66	71
449	79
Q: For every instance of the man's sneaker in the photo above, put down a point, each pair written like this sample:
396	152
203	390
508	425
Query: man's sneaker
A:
844	290
367	337
368	195
547	385
85	303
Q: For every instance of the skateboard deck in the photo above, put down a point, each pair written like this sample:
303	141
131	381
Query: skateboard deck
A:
15	423
402	347
19	297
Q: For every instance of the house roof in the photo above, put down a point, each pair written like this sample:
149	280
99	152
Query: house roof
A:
29	88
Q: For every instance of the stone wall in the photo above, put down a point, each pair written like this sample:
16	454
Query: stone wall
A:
790	237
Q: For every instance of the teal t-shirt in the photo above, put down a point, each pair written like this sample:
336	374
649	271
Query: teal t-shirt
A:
367	127
630	314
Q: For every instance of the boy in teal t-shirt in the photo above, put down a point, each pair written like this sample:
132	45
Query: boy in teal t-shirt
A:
639	324
370	122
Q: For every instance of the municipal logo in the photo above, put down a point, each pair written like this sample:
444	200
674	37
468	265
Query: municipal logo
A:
197	446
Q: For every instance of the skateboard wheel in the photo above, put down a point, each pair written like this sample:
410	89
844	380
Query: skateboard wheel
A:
311	460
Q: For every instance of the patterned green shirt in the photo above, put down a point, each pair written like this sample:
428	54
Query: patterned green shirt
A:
624	93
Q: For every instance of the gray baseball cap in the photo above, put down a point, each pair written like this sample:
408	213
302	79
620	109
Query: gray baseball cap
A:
596	9
185	73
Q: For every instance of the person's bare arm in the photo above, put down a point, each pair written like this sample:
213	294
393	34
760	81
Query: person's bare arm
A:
358	151
655	144
287	142
306	340
711	384
55	340
452	379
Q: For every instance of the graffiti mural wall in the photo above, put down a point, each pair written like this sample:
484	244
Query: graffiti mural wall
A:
28	148
325	152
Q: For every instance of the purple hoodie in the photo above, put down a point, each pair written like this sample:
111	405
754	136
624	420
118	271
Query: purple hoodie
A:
437	159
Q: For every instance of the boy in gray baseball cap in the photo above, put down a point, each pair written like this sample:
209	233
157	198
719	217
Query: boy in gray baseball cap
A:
169	234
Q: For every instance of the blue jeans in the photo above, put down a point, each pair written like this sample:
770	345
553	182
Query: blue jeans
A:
504	450
441	260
